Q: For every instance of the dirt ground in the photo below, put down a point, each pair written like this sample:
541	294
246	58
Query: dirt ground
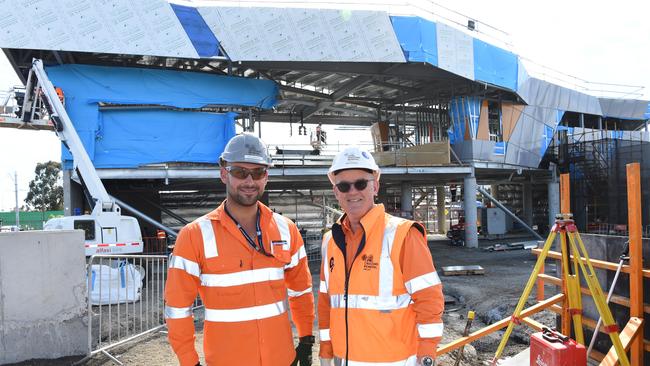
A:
492	296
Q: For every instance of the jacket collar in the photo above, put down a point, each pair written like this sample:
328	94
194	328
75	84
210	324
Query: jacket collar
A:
371	223
219	213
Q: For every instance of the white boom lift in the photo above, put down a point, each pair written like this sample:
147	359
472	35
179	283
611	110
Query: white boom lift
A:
107	231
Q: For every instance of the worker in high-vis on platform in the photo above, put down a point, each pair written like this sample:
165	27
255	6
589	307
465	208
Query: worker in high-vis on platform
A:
243	260
380	299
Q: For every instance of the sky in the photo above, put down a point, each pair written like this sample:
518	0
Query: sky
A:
597	41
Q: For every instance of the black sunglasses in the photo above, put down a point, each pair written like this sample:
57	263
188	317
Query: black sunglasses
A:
243	173
359	185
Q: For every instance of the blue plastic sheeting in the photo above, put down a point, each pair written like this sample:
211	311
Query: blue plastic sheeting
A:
499	148
201	36
462	109
129	138
136	137
494	65
180	89
417	37
197	137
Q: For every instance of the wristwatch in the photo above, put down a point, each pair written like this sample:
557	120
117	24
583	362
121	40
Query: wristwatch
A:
427	361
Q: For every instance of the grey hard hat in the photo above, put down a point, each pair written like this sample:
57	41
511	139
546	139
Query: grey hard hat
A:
246	148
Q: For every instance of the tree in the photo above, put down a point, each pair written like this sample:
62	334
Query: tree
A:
45	190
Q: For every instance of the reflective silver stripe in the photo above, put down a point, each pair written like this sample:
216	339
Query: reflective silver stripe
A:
324	334
186	265
421	282
177	313
430	330
385	264
371	302
244	314
209	241
323	287
411	361
242	278
326	240
293	293
283	227
295	259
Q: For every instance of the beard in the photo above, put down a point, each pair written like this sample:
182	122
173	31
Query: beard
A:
244	199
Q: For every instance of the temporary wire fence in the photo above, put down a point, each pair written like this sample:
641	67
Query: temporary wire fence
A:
125	299
313	247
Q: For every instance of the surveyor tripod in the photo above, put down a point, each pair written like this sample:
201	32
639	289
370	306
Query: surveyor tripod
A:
574	257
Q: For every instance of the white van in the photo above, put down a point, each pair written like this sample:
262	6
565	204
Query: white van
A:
9	228
107	233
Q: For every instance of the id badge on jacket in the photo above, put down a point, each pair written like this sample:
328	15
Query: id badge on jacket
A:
280	250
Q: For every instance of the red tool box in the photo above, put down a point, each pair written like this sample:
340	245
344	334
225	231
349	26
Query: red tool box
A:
551	348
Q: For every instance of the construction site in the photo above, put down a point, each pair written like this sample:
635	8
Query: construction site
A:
533	191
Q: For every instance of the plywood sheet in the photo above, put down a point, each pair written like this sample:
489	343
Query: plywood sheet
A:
431	154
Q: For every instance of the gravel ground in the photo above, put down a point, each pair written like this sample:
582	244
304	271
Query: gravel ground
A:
492	296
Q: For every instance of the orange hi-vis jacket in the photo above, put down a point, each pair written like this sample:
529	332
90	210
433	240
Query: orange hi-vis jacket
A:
244	291
386	309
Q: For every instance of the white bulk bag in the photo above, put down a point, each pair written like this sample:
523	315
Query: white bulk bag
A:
121	282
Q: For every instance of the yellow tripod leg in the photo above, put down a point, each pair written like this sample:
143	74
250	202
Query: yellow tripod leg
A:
597	294
575	300
524	296
567	303
572	293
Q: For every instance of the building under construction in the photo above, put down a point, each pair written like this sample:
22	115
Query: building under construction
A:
459	122
447	107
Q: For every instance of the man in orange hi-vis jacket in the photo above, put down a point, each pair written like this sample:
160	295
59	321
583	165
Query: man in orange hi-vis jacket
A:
243	260
380	299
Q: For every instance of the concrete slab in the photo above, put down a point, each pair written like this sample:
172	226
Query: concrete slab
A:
42	295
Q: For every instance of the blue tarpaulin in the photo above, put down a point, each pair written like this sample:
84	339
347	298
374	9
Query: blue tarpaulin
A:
197	137
201	36
133	137
463	110
417	37
495	65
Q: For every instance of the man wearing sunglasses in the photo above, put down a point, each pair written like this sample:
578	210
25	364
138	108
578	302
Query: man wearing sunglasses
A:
244	260
380	299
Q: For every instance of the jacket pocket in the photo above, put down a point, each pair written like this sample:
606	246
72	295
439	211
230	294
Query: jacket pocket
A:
280	251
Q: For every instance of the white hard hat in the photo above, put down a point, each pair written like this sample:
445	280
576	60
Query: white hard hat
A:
246	148
353	158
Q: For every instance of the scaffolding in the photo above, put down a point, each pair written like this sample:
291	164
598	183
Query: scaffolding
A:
596	160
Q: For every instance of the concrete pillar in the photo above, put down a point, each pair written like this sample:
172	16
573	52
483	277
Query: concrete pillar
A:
528	203
553	201
469	195
440	209
407	200
73	196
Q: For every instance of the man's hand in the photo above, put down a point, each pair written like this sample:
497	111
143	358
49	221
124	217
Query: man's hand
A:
303	351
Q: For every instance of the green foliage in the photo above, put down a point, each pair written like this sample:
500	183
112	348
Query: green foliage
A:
45	190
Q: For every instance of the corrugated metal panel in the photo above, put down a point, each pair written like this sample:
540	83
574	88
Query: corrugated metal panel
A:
544	94
624	108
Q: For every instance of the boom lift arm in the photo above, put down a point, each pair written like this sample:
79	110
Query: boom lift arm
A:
40	86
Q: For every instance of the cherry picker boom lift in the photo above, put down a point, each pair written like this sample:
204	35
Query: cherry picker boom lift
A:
107	231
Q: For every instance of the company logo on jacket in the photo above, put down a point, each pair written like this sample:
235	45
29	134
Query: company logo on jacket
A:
368	262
